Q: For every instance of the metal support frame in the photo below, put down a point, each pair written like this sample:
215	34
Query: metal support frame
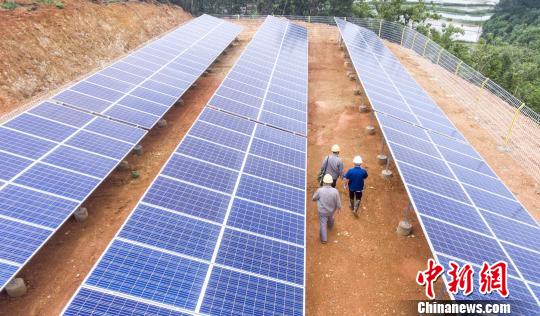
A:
380	27
439	55
414	40
425	47
479	95
511	127
402	35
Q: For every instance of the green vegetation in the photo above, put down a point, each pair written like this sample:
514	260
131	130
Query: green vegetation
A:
9	5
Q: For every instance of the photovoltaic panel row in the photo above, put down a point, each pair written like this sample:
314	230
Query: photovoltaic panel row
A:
141	87
221	230
53	157
466	210
265	78
391	88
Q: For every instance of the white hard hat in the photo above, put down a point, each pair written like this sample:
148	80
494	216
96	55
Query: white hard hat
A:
327	179
335	148
357	160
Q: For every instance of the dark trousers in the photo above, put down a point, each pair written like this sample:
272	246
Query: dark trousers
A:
334	183
352	195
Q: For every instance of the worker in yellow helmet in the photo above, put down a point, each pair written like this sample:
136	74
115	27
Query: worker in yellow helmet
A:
328	203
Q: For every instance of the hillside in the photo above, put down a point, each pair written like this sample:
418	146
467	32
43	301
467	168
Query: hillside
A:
44	47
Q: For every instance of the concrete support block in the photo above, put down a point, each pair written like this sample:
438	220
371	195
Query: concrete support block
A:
370	129
363	108
162	123
404	228
138	150
80	214
205	74
357	91
123	165
135	174
16	288
194	85
179	102
347	64
386	174
503	149
382	159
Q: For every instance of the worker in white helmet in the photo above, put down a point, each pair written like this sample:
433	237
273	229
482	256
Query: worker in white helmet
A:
328	202
354	181
333	165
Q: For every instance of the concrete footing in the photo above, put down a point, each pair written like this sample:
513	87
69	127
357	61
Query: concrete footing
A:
138	150
135	174
503	149
179	102
123	165
210	70
382	159
16	287
386	174
404	228
80	214
357	92
370	129
352	77
205	74
363	108
347	64
194	85
162	123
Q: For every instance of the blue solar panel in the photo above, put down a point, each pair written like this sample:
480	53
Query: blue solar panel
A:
271	193
141	105
262	256
165	251
167	230
100	144
274	171
149	274
81	161
469	246
278	153
267	221
116	130
89	302
6	272
231	292
12	165
219	135
514	232
40	127
228	121
19	241
195	201
83	101
62	114
468	213
58	181
201	173
34	207
214	153
281	138
526	261
447	210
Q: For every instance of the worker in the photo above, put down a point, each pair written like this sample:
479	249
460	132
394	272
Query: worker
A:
332	165
354	180
328	203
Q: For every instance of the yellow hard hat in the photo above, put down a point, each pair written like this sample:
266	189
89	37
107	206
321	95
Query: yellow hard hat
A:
327	179
357	160
335	148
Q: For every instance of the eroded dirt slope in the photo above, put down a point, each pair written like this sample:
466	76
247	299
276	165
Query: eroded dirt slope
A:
43	49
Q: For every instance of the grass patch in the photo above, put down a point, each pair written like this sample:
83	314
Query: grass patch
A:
9	5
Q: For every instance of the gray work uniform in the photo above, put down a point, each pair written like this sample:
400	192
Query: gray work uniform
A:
334	166
328	201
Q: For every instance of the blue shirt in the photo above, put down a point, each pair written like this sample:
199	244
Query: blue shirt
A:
356	178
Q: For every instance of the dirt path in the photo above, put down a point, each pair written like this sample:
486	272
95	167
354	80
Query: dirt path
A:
60	266
365	268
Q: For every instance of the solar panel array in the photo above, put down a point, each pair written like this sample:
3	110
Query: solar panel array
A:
54	156
222	228
467	212
140	88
